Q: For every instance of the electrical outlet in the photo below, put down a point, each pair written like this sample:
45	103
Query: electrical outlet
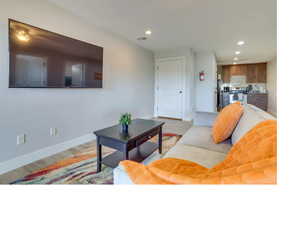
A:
21	139
53	131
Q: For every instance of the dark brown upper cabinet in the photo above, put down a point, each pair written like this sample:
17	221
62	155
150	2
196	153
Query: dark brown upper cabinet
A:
238	70
251	73
226	74
262	73
255	73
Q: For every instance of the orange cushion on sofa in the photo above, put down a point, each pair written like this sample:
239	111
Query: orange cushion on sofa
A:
226	121
257	144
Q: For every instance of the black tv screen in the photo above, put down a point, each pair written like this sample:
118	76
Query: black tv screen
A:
43	59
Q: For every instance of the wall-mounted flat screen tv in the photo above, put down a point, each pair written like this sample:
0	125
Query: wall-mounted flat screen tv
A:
43	59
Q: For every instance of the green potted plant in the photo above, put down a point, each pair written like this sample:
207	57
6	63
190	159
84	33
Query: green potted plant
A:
125	120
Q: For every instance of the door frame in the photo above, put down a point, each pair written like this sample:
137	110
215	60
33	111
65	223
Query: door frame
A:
183	96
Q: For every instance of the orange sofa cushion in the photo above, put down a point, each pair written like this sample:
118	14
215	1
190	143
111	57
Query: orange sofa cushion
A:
253	160
226	121
257	144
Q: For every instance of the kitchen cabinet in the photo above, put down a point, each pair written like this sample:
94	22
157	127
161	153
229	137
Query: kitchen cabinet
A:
233	70
226	74
251	73
261	73
238	70
260	100
255	73
224	99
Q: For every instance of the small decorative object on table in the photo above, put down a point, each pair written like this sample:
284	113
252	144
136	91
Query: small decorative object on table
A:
125	120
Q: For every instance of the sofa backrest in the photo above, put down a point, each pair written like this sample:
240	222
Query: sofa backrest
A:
251	116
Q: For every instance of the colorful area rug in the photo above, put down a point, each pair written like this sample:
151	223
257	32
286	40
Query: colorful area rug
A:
81	169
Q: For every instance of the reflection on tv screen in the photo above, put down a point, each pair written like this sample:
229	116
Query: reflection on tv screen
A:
42	59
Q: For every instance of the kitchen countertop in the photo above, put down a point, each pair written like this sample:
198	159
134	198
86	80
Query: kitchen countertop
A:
244	92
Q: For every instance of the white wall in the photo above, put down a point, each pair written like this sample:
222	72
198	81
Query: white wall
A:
272	86
188	54
205	90
128	84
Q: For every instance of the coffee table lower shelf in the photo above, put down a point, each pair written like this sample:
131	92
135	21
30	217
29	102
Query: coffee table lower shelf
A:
136	154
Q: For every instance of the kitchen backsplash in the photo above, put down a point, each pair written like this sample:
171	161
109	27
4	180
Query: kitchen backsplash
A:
256	87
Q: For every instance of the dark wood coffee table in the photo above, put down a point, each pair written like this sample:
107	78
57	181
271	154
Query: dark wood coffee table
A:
134	145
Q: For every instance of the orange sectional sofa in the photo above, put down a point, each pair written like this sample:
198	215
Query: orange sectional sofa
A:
218	163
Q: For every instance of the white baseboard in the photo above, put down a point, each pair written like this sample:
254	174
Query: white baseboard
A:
146	117
188	119
23	160
273	113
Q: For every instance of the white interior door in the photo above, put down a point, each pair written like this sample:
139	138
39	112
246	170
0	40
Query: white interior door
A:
170	74
31	70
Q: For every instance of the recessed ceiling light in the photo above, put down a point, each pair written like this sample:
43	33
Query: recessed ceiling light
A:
235	58
241	43
142	38
237	52
148	32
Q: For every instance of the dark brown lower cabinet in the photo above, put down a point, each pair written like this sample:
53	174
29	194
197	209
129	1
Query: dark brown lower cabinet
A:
260	100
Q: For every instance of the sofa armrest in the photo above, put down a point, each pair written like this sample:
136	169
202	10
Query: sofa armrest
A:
120	176
204	118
